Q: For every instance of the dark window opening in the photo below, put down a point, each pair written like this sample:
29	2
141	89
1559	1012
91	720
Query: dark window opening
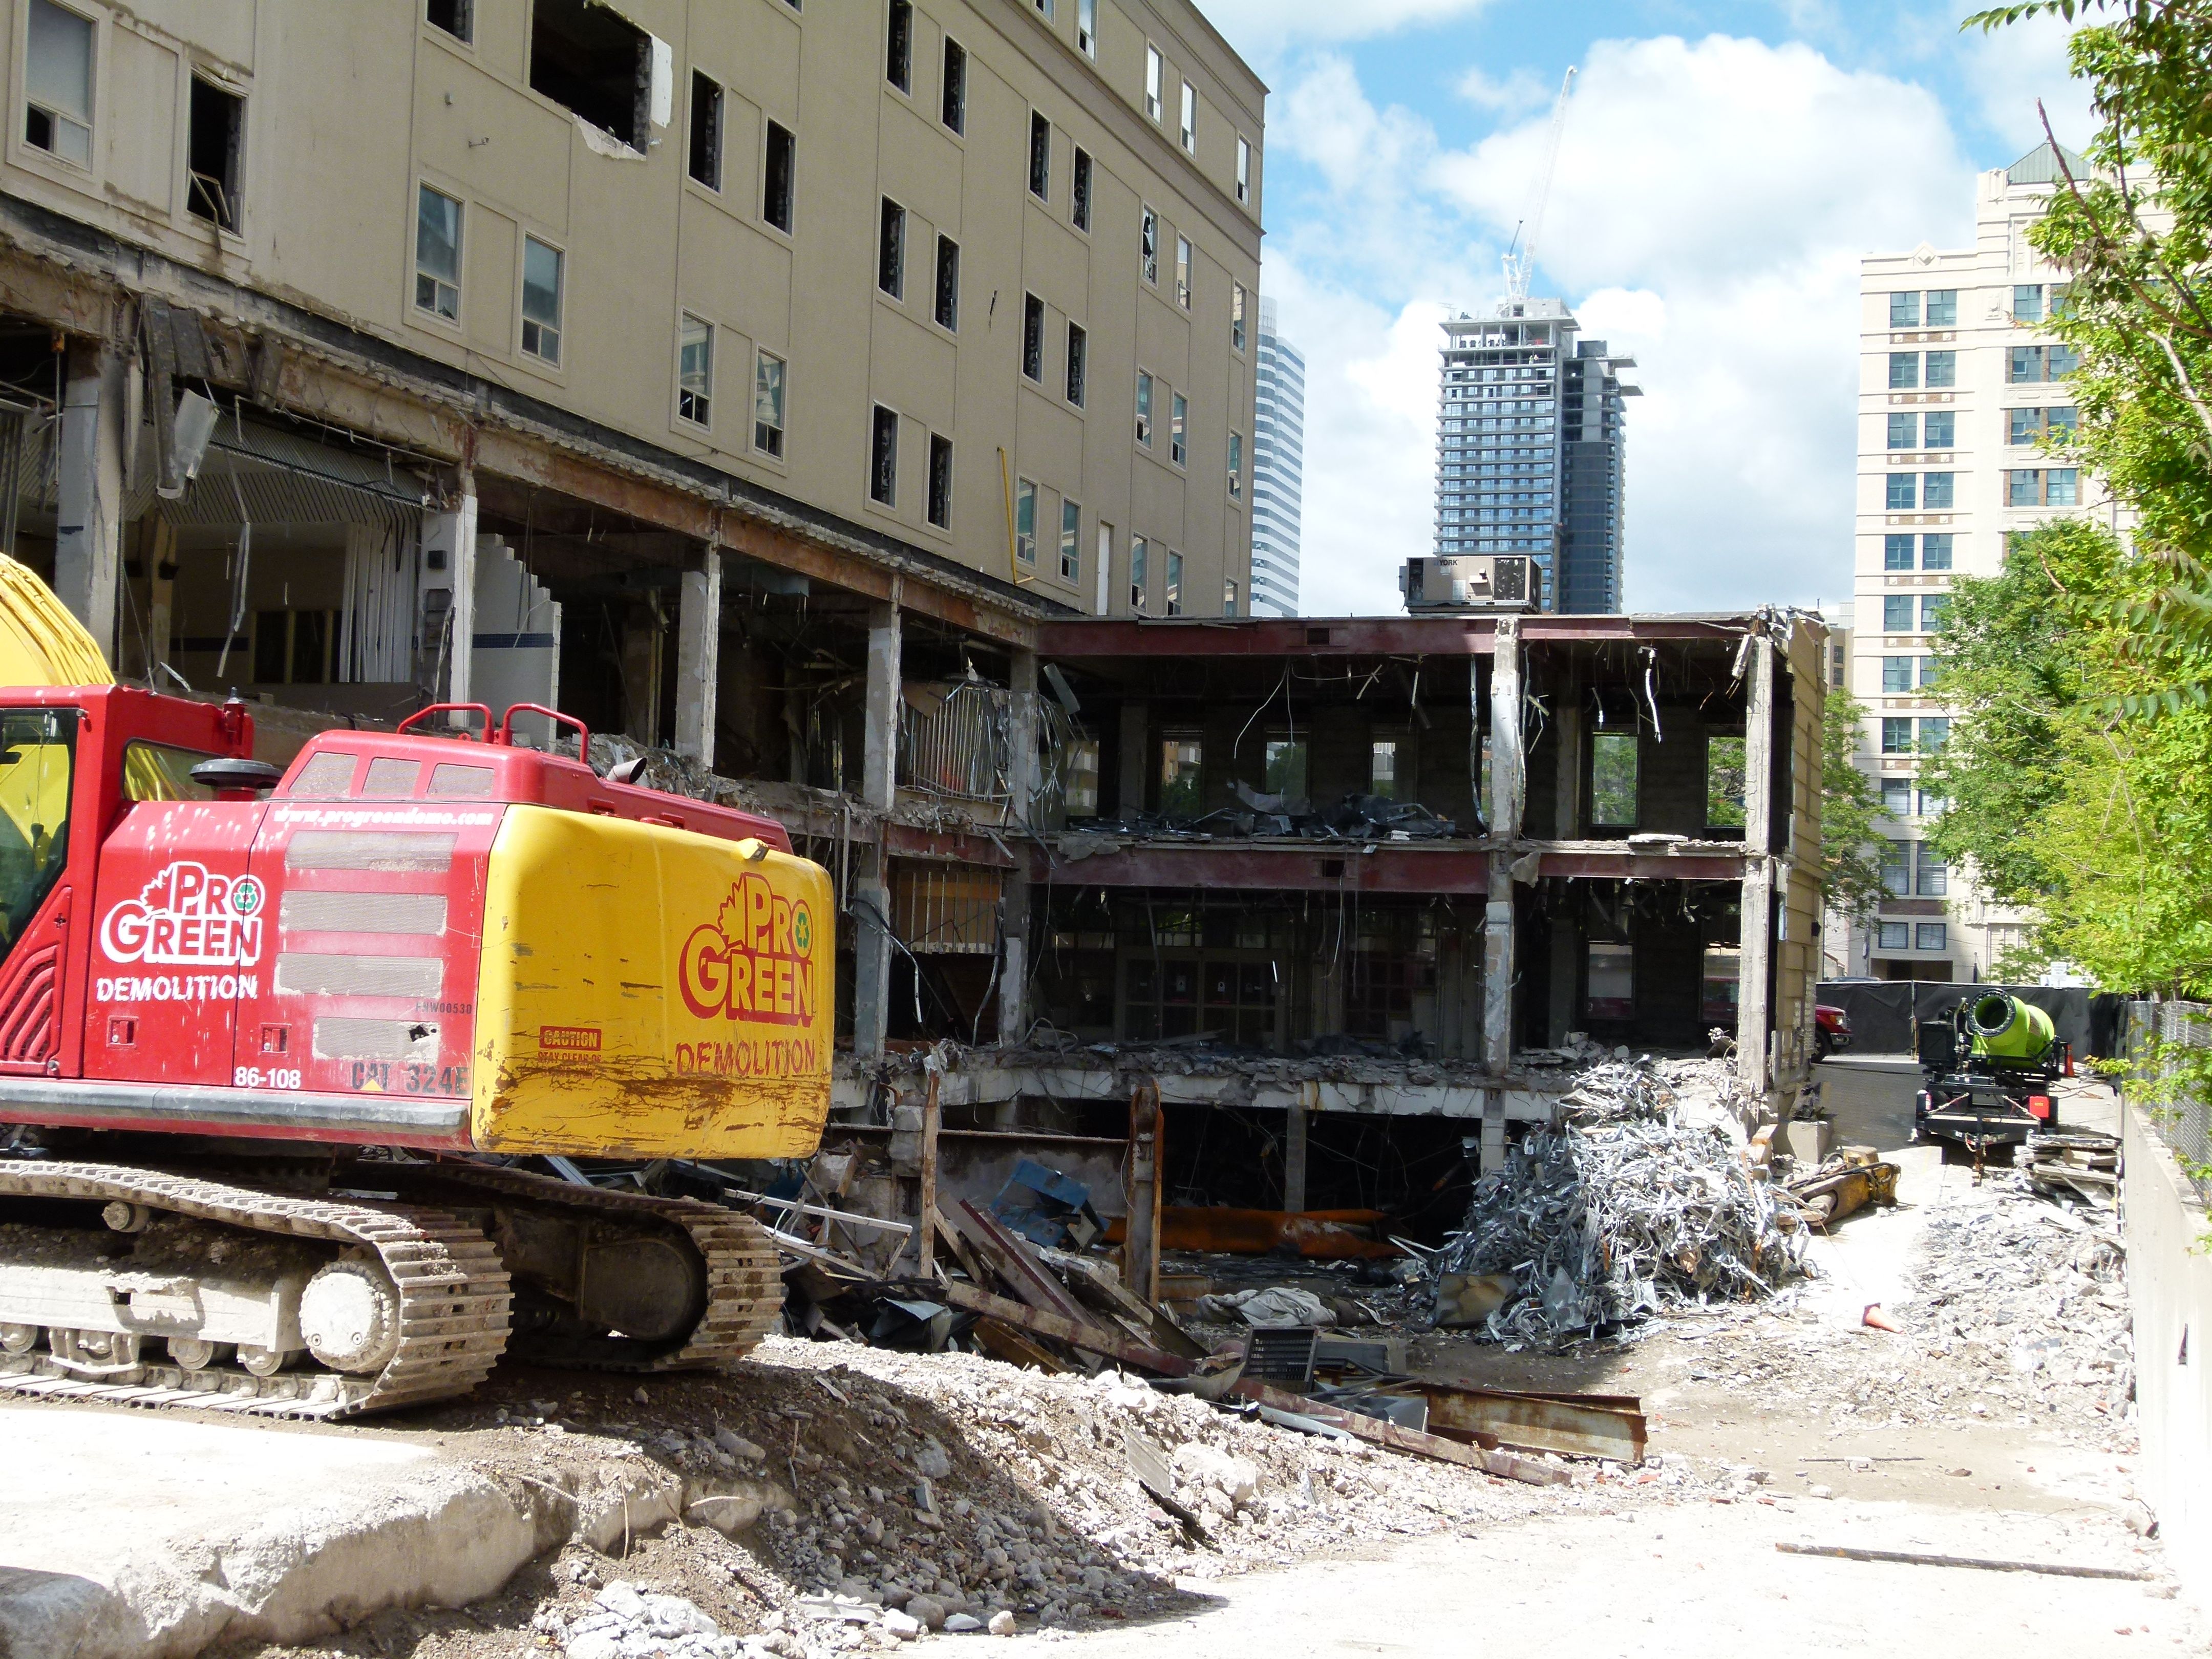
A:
777	188
1033	337
1079	206
457	17
218	134
948	283
590	59
1079	351
707	131
956	86
940	481
898	54
883	460
890	251
1039	157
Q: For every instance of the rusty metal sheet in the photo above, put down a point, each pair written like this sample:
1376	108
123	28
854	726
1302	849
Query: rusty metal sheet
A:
1609	1426
1317	1235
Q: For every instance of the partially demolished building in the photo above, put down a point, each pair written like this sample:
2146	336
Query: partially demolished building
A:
863	432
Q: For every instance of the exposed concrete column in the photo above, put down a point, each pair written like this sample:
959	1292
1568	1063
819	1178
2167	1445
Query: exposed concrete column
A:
1493	1148
159	548
698	658
88	530
1294	1158
463	632
872	901
1024	779
1754	1007
1136	755
1508	789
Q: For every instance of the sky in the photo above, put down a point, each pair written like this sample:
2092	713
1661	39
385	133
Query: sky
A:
1723	166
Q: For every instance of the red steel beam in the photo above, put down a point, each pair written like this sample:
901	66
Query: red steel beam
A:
1646	866
1390	868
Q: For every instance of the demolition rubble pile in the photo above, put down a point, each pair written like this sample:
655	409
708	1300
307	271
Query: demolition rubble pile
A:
1639	1201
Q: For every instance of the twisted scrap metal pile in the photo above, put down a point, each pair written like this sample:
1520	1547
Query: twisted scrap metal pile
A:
1639	1198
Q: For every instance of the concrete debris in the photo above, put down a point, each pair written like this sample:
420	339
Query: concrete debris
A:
1637	1202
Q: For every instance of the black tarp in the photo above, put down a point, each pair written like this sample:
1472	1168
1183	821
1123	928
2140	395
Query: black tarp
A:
1886	1014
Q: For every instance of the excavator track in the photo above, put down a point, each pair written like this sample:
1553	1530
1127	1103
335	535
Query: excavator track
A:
452	1313
742	1272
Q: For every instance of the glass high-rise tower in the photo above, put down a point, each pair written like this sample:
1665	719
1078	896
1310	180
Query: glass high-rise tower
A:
1529	449
1278	426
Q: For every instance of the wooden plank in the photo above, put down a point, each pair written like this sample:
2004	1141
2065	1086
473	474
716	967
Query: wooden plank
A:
946	1231
1017	1347
1374	1431
1141	1249
1150	1324
1091	1339
932	1120
1010	1256
1907	1557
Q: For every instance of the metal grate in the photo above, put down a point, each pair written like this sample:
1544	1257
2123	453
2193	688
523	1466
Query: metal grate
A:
2186	1122
1282	1354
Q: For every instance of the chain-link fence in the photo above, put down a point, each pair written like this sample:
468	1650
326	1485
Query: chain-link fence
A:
2183	1116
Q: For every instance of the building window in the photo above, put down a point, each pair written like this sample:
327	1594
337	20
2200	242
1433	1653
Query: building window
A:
1942	368
1935	612
1612	968
1140	556
1613	780
767	404
1937	488
1903	432
1086	27
1236	303
1071	542
1897	869
2027	302
947	310
1904	370
1283	769
1044	8
1893	935
695	370
541	300
890	250
781	177
1905	311
1078	205
1725	764
1897	797
1178	424
1944	307
438	254
2062	487
1182	775
1897	613
1896	735
883	457
1929	936
214	145
1144	408
1942	429
1025	498
1153	74
57	83
705	159
1148	246
1934	875
1897	552
1382	769
1236	467
1935	730
590	59
2023	425
1934	552
1897	674
1175	585
955	112
1902	492
456	17
1190	118
1078	362
898	47
1928	670
940	481
2023	487
1182	271
1229	597
1244	170
1033	337
1039	157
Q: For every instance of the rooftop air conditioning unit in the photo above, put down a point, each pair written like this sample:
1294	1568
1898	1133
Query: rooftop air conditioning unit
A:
1470	582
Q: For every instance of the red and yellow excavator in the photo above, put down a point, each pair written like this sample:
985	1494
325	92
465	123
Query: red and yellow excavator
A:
259	1029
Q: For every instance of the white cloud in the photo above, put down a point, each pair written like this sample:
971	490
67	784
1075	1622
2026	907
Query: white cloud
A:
1711	203
1261	29
2009	68
1516	95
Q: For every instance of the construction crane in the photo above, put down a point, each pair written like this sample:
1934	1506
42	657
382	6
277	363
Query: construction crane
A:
1521	256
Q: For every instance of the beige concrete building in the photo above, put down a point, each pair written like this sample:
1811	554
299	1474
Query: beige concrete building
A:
1964	415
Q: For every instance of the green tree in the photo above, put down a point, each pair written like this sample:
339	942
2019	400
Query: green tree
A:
1850	846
